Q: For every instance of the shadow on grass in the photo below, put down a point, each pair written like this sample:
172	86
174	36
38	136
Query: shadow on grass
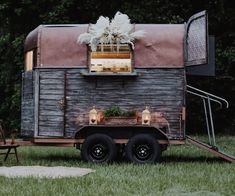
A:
56	158
66	158
165	159
196	159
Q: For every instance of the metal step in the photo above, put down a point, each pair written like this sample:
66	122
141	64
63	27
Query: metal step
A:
211	149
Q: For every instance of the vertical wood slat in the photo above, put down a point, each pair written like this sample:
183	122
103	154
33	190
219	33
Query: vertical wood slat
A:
36	102
27	104
65	101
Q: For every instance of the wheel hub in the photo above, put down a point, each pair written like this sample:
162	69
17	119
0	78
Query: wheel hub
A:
98	151
142	152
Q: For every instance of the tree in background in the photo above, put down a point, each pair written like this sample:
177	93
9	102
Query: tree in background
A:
18	18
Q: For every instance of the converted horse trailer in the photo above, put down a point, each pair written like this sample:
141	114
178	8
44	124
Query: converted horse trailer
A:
65	83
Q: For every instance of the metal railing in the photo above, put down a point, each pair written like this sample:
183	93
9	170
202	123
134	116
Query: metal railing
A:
207	98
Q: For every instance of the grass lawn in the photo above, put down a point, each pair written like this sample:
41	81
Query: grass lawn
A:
184	170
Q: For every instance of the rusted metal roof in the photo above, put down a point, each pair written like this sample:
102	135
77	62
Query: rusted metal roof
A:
57	46
162	46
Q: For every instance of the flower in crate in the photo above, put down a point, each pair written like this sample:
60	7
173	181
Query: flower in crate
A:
118	30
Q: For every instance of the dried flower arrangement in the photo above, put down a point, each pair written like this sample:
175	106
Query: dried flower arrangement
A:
117	31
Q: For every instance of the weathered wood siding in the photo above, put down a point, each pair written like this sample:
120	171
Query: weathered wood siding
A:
161	89
51	93
27	104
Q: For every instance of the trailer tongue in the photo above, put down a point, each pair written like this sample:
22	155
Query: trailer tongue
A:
211	149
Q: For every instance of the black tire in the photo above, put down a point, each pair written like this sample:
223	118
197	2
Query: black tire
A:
143	148
98	148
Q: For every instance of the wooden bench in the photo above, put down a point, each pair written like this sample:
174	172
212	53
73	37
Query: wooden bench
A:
7	147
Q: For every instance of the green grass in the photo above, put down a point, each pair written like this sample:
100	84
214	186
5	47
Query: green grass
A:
184	170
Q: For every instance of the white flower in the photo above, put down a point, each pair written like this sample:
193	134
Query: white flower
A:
118	30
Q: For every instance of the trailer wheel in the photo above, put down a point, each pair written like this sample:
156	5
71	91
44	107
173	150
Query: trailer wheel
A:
143	148
98	148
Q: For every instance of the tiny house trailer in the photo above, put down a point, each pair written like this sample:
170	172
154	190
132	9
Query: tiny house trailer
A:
63	80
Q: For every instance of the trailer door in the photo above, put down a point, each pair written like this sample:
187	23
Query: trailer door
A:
196	40
51	106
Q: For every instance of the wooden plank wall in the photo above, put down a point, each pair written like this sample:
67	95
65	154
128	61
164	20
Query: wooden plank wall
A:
161	89
27	104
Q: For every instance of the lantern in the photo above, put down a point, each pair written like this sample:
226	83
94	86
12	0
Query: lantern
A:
146	116
93	116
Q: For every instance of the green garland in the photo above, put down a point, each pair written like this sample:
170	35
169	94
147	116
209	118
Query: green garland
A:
116	111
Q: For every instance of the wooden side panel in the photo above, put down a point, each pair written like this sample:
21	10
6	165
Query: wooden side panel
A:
51	103
27	104
161	89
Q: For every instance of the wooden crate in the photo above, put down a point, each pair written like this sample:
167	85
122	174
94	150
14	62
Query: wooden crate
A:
121	121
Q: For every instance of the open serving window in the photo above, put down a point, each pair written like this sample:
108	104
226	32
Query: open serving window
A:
111	58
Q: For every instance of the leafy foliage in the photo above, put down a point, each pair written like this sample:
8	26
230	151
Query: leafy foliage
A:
18	18
116	111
